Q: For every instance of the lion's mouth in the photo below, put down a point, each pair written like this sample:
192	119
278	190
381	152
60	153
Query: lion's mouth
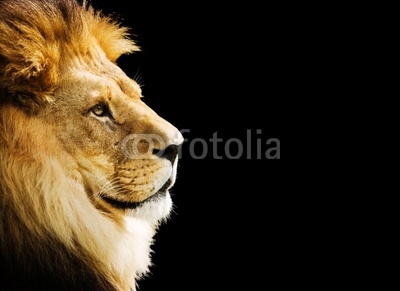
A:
123	205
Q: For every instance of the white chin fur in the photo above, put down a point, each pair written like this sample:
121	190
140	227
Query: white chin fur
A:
141	224
154	211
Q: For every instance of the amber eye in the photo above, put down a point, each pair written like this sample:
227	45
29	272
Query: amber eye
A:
100	110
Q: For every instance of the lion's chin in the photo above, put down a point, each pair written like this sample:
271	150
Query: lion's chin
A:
154	210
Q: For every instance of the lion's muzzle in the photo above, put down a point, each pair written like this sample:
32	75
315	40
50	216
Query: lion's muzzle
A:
146	173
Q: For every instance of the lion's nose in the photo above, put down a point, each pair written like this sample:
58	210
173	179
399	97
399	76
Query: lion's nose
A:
170	152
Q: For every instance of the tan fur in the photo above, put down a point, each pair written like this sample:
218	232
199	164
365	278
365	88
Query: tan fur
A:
59	161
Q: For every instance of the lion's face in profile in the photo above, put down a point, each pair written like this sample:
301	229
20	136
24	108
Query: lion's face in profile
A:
125	154
85	165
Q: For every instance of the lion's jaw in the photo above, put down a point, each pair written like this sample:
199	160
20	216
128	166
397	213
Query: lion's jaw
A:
107	195
157	208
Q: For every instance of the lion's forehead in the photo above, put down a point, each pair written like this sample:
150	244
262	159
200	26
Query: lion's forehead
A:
105	82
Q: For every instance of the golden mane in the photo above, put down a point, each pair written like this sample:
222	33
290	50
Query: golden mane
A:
39	38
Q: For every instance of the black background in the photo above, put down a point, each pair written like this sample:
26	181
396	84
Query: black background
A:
226	70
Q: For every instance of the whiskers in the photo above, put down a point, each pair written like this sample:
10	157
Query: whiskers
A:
138	78
108	184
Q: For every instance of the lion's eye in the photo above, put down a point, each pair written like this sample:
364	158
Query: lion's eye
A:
100	110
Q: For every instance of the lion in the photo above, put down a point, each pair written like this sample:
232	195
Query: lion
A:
86	167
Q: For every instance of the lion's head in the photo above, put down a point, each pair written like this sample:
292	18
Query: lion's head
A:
85	164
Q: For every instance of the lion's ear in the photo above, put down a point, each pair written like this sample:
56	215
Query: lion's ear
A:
27	66
27	70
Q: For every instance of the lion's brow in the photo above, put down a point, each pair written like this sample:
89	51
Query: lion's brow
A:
129	87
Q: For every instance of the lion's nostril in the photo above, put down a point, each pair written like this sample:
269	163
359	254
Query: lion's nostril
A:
169	153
